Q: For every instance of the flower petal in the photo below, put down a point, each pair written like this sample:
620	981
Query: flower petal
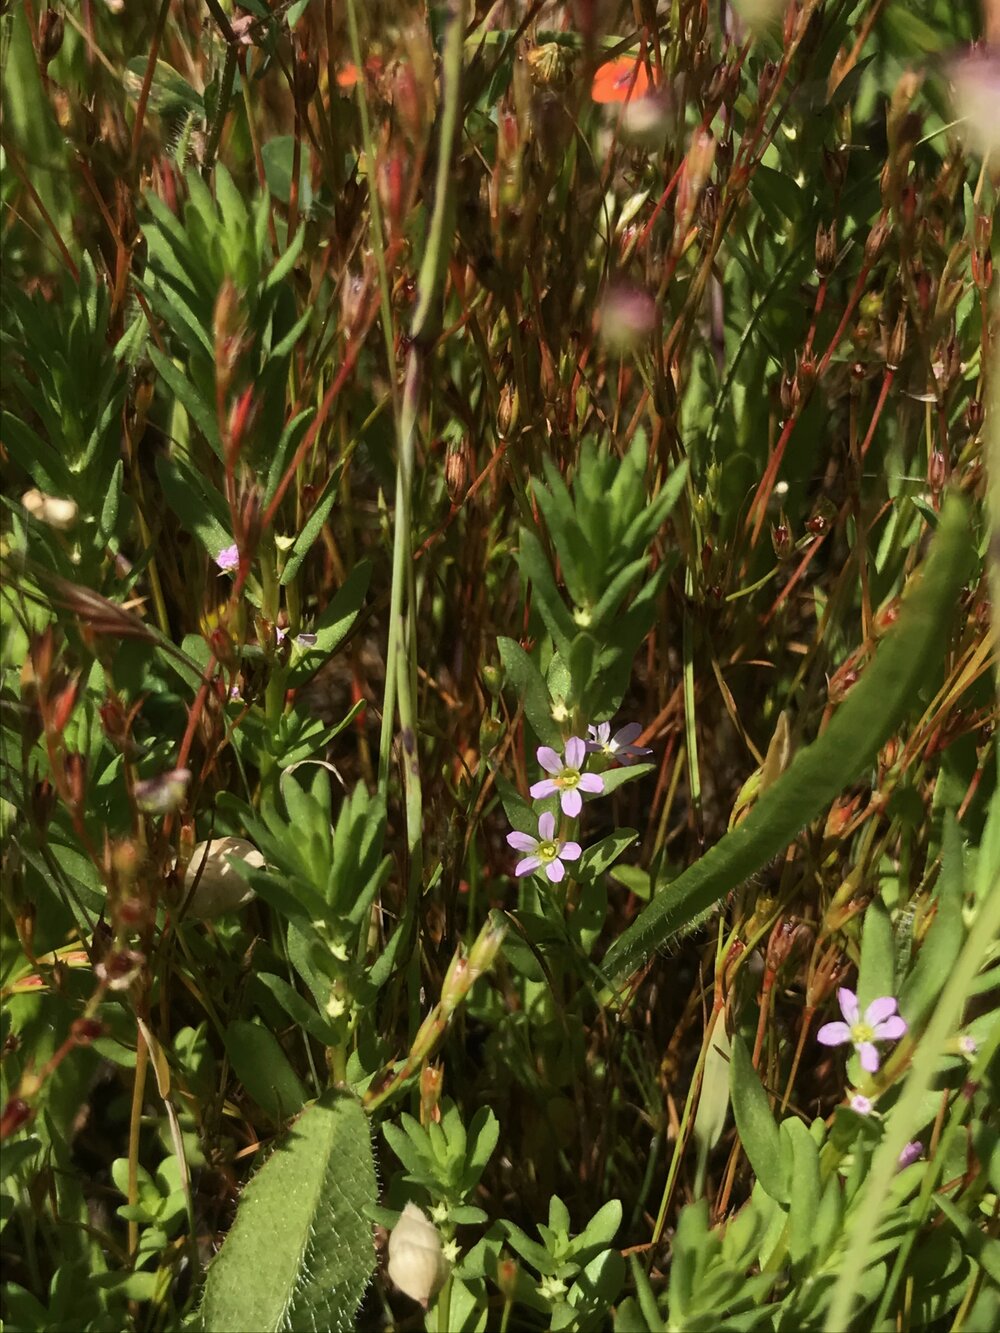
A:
549	759
576	751
600	733
570	851
891	1029
555	870
626	735
526	866
833	1034
592	782
539	790
521	842
848	1002
572	802
868	1056
879	1010
546	825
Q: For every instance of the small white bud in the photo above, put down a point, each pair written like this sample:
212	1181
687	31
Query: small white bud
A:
50	509
417	1264
221	888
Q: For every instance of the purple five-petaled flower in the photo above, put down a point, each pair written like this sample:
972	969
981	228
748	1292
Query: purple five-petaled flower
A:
566	777
880	1023
545	850
228	558
619	746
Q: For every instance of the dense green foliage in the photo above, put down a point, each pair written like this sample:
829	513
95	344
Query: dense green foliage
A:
397	397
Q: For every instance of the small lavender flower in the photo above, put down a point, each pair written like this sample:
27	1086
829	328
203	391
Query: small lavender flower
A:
619	746
545	850
566	777
880	1023
860	1104
910	1154
968	1046
163	793
228	558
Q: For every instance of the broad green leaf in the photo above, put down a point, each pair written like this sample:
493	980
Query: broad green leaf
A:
876	975
755	1123
602	855
801	1153
870	713
300	1253
262	1067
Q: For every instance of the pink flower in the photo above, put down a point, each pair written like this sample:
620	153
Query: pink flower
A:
619	746
545	850
860	1104
566	777
228	558
880	1023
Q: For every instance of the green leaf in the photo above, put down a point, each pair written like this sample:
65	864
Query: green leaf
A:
263	1069
332	626
804	1186
599	858
755	1123
870	713
297	1008
876	975
526	681
200	509
300	1253
312	527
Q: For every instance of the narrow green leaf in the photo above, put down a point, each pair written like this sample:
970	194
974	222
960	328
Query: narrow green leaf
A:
871	712
300	1253
333	624
526	681
312	527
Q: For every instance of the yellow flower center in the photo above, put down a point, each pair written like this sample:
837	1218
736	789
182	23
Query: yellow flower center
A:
862	1032
548	851
569	777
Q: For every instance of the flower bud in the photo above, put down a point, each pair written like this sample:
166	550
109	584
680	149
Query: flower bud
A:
50	509
219	887
826	249
431	1079
50	36
508	412
487	944
417	1265
457	470
897	343
456	984
877	237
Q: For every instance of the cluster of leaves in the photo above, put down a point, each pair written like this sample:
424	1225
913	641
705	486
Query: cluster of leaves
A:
507	413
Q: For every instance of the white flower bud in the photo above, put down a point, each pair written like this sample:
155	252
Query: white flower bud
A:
417	1264
60	514
221	888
